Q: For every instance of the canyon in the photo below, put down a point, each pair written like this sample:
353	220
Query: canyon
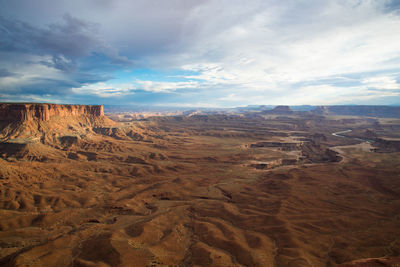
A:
246	189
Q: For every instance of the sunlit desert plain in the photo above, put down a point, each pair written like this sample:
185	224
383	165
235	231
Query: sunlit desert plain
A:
265	188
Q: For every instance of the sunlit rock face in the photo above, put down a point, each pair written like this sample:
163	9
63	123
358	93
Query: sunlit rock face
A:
43	112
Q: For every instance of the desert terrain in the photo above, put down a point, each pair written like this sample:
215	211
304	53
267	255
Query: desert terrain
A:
268	188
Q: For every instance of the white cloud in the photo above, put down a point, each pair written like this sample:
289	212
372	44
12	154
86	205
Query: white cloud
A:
382	82
116	89
153	86
267	53
242	52
104	89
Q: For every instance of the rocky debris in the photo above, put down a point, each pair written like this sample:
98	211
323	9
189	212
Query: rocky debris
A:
43	112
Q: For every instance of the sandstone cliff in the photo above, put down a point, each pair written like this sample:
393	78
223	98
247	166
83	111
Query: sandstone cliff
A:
43	112
47	122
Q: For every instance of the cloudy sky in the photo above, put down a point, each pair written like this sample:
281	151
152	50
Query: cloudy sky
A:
209	53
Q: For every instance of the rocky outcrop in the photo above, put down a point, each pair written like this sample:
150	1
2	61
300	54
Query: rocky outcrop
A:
279	110
43	112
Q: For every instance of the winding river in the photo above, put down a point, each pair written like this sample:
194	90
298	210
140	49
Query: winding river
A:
339	134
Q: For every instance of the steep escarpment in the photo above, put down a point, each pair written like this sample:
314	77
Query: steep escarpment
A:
37	120
46	132
43	112
25	128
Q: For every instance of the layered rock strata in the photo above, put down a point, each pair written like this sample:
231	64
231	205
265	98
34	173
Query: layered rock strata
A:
43	112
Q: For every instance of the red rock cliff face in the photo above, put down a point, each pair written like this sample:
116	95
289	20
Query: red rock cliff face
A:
43	112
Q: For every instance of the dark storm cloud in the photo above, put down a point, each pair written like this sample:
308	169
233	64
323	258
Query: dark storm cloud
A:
135	28
58	46
16	35
66	41
71	38
63	48
61	63
40	86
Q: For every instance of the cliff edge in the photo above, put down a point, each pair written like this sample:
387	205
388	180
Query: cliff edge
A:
47	122
12	112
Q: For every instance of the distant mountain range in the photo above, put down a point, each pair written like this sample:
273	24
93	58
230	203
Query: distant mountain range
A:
370	111
346	110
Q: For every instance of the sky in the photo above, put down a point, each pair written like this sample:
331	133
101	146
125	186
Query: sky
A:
200	53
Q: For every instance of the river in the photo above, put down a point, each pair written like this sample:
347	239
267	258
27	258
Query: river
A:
339	134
